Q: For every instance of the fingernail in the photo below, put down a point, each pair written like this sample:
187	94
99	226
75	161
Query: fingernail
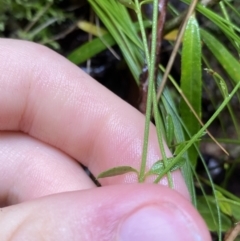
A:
154	223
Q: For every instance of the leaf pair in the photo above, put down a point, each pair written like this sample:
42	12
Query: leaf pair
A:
158	168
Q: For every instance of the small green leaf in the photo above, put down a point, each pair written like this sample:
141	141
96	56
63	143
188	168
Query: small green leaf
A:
116	171
169	130
158	167
223	203
210	217
128	4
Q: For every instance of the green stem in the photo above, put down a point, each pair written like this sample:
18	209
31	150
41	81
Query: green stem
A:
226	16
143	33
159	135
151	67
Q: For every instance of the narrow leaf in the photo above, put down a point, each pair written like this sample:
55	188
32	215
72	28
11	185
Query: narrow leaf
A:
90	49
224	57
217	19
169	130
116	171
118	23
191	80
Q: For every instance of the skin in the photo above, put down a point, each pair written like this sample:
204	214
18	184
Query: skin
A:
53	116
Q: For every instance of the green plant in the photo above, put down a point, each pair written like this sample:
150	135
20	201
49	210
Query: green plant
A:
207	40
31	20
186	132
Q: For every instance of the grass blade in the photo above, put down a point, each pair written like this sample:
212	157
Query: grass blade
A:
224	57
90	49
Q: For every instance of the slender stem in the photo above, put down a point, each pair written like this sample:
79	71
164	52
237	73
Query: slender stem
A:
160	139
160	28
225	13
146	50
151	65
162	5
143	85
143	33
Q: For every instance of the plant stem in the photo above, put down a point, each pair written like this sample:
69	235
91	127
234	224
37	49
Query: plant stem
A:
160	139
143	33
151	67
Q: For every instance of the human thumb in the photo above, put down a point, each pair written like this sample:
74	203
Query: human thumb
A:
120	212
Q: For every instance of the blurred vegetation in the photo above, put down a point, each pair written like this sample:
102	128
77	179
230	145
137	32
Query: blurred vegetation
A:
33	20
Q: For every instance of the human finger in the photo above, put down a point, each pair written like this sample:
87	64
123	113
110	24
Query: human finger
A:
47	97
31	169
127	212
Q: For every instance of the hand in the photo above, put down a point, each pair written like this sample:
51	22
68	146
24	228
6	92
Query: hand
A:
53	117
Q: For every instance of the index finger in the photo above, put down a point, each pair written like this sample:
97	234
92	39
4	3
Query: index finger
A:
47	97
